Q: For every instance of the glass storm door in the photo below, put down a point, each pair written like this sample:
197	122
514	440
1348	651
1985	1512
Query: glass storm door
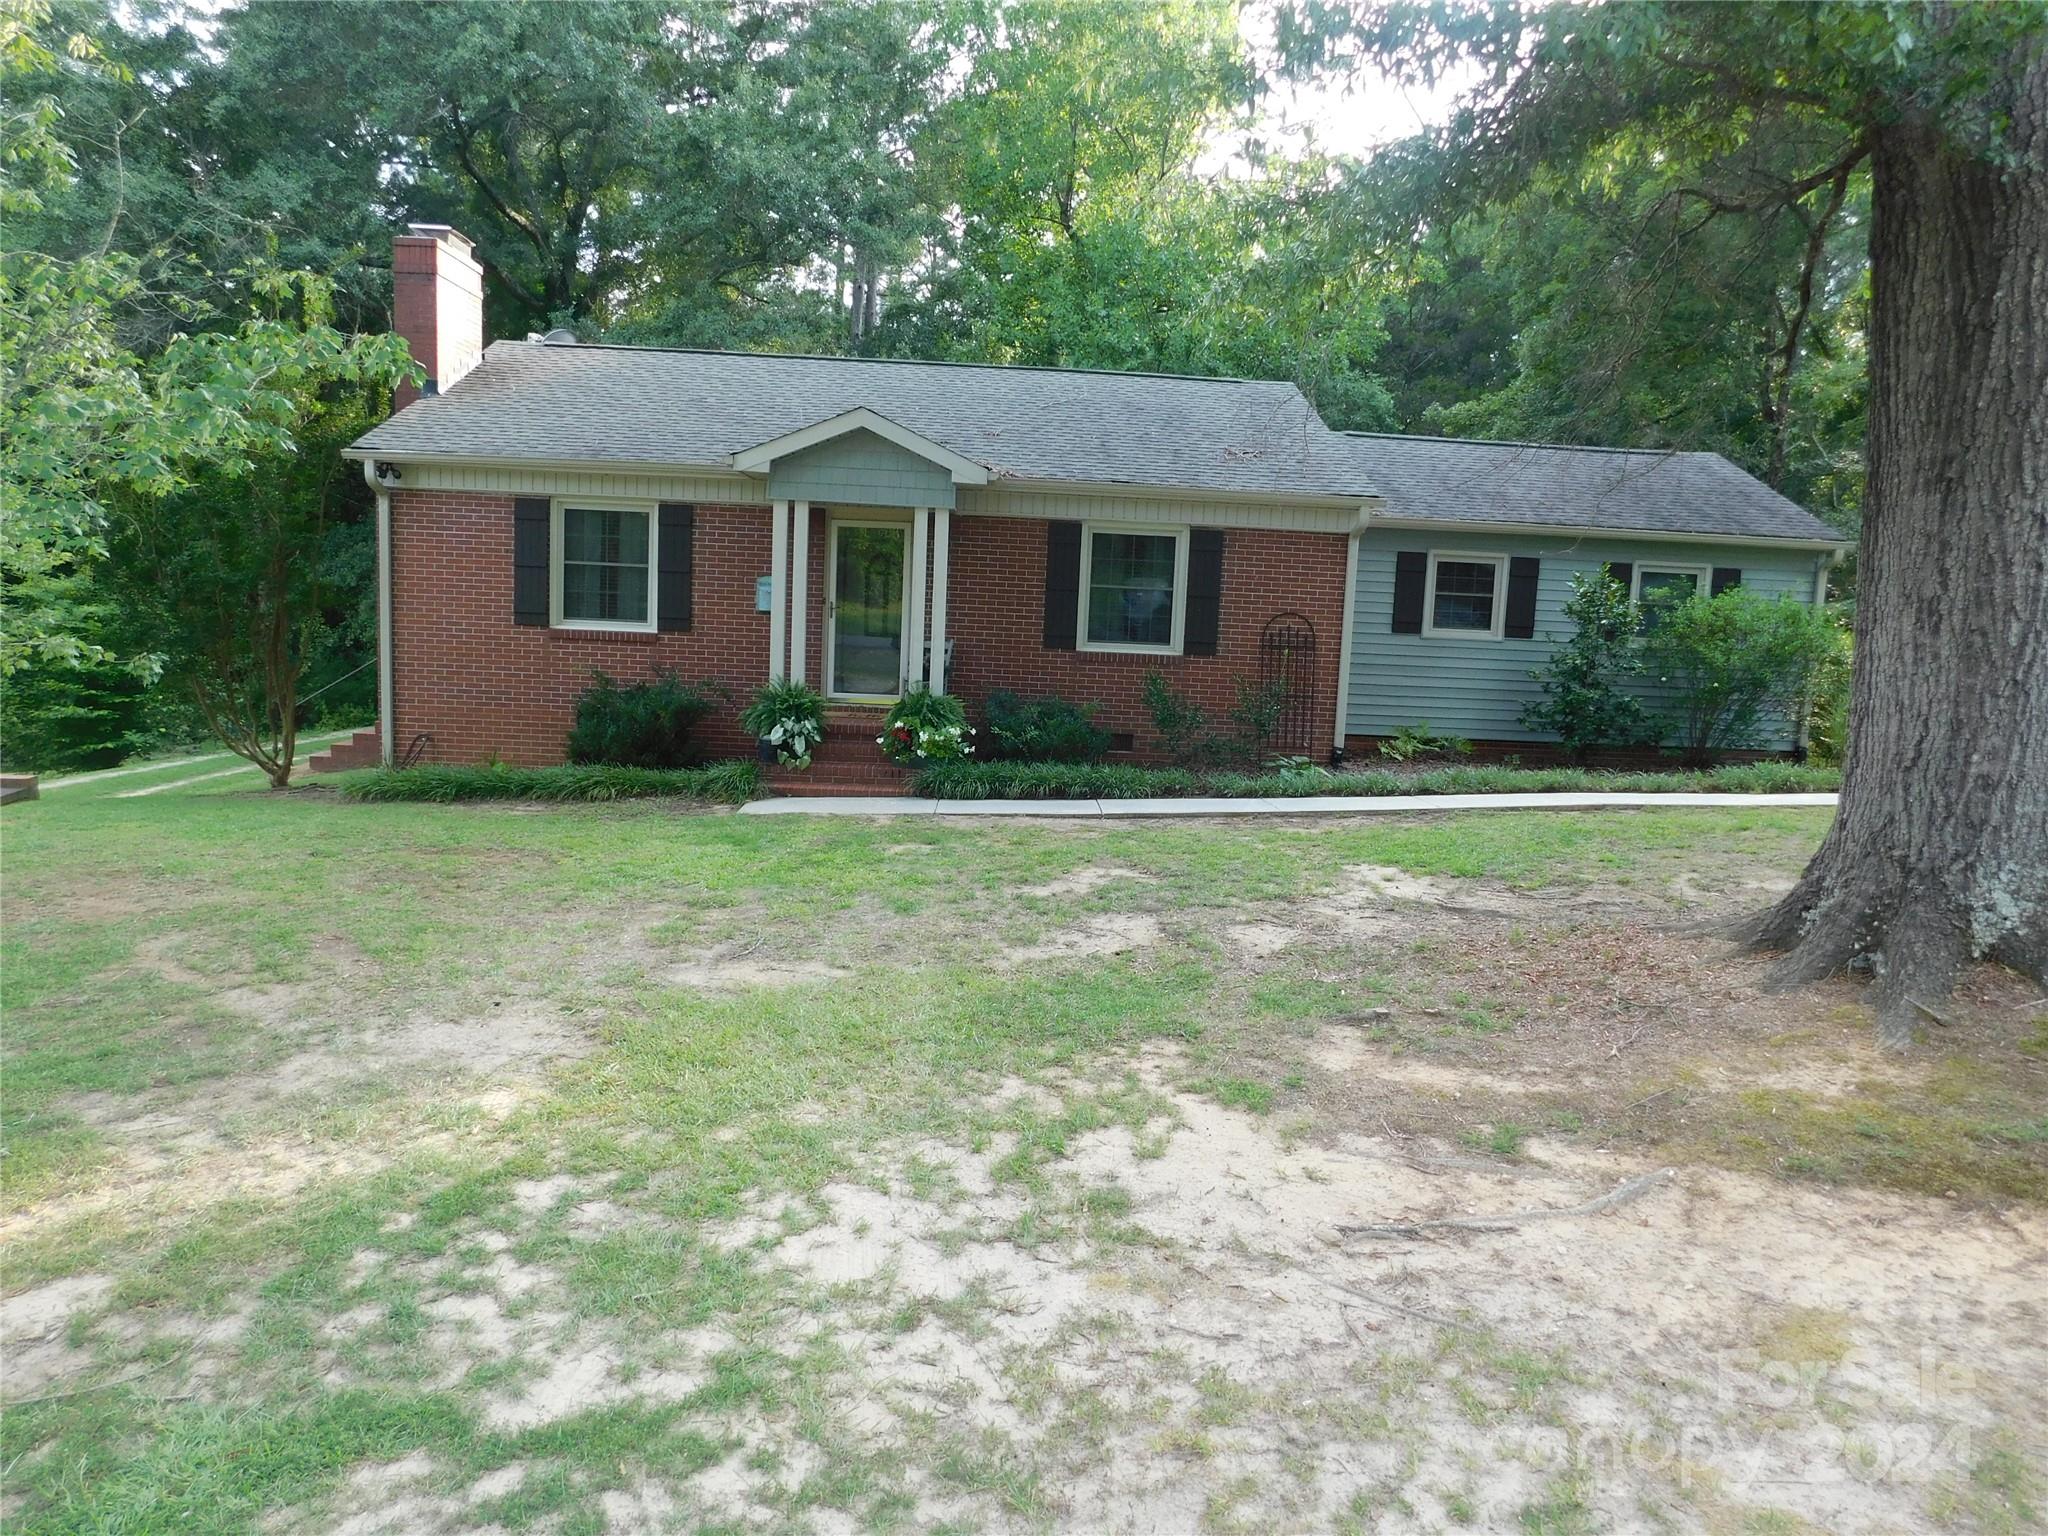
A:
865	622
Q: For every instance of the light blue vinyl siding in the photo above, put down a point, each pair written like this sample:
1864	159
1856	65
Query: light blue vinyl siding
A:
1478	687
860	469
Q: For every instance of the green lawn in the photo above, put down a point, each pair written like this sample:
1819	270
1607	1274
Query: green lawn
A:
529	1166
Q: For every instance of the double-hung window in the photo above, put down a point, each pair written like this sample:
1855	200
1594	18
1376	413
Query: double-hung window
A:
1133	588
1658	586
1467	595
604	566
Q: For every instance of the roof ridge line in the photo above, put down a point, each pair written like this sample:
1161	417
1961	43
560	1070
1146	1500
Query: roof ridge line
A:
1512	442
913	362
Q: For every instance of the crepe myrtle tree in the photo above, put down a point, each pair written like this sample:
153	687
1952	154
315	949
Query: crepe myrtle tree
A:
1939	853
227	568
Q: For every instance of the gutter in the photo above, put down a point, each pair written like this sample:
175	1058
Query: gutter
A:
387	693
1575	531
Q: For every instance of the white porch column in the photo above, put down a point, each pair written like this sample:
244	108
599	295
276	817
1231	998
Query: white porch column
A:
913	664
799	590
942	538
778	588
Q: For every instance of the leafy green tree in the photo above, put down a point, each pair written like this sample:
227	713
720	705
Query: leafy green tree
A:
225	570
1588	699
1940	852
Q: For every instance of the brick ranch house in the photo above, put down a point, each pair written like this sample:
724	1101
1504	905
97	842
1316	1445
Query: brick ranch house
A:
546	509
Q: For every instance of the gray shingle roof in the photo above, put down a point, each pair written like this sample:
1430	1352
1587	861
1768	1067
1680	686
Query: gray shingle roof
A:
1627	490
629	405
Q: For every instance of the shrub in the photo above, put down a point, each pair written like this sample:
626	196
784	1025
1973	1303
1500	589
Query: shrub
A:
1417	743
1257	715
1586	702
1827	720
638	725
1734	666
790	717
925	727
57	718
1047	730
1126	781
1182	724
730	783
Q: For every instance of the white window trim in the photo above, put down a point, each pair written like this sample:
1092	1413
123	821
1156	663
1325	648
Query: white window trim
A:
1178	532
1702	575
557	550
1500	595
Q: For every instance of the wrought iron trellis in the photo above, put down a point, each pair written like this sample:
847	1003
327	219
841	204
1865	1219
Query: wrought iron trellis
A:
1287	662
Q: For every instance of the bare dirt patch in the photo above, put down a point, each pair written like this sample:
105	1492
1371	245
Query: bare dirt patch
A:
35	1352
1085	882
1109	933
1232	1343
733	972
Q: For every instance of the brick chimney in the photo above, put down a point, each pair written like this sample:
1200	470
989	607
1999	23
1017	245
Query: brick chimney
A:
437	305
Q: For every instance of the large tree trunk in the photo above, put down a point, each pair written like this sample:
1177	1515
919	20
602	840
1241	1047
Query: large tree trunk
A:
1940	851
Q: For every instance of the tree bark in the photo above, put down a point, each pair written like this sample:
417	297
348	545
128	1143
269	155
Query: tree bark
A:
1940	851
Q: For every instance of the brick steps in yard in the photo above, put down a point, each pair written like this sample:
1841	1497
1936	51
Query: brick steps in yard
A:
846	762
365	749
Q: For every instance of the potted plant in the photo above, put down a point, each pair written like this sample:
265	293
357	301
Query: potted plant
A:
788	720
925	727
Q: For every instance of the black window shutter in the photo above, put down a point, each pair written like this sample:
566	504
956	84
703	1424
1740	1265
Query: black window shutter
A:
1062	585
1205	591
1411	573
1521	617
530	560
678	556
1725	576
1622	571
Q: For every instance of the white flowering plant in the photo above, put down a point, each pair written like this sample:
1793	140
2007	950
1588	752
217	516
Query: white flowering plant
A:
926	727
789	720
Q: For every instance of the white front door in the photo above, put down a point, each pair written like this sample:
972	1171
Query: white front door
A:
865	612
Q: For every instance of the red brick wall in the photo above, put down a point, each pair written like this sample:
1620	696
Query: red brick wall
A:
484	686
996	618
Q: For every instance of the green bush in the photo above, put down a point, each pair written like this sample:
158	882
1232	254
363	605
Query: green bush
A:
1047	730
1417	743
730	783
1827	720
639	725
1127	781
925	727
1734	667
1586	700
57	718
1182	724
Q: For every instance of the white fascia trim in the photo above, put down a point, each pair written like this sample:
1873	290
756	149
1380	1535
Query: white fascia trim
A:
1576	532
757	459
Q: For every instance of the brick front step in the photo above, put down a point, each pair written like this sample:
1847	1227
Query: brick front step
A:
799	786
365	749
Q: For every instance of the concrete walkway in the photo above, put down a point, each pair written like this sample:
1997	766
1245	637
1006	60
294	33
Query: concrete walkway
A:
1307	805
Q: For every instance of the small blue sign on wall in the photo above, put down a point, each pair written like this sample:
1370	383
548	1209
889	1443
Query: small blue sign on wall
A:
764	593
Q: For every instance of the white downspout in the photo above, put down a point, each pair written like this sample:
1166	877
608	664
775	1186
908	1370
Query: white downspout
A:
387	693
1344	636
